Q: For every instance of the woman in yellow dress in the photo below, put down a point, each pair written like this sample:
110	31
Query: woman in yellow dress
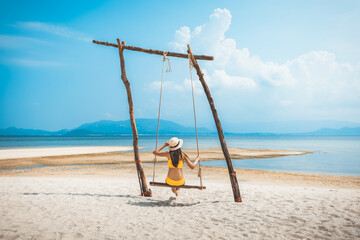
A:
176	159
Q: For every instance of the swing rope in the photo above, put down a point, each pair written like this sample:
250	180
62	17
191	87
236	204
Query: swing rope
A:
196	133
158	123
161	87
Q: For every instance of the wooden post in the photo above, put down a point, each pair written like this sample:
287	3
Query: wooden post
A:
142	179
232	173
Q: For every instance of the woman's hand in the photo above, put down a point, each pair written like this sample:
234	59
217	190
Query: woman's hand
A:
198	158
155	160
158	152
166	144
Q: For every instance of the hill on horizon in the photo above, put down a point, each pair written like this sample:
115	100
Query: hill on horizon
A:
143	125
109	127
284	127
149	127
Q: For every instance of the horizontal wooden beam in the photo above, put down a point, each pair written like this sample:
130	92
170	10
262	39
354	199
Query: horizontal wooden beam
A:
157	52
160	184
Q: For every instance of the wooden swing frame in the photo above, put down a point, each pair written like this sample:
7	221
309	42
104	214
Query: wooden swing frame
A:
145	191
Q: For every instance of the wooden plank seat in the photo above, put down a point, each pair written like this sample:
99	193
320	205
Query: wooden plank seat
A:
161	184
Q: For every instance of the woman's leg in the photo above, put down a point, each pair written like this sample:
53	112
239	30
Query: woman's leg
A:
175	190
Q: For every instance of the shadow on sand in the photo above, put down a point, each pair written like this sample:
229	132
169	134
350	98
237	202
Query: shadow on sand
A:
86	194
171	202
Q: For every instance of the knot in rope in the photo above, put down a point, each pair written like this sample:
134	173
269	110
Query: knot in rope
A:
168	69
191	66
164	56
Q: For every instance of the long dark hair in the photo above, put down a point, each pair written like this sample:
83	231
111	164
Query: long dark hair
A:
175	157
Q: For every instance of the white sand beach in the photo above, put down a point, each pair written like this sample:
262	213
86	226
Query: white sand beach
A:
58	151
102	201
111	208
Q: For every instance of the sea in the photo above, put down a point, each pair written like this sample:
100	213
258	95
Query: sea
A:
333	155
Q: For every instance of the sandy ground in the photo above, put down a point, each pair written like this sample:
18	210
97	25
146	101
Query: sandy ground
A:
101	201
57	151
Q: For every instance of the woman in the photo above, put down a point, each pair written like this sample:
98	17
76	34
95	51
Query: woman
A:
176	160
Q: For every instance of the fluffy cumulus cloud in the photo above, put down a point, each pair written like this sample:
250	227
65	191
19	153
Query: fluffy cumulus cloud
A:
182	37
312	86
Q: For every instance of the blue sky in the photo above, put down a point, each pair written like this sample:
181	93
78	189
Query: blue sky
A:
274	61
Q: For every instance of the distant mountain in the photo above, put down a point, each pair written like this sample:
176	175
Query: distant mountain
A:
305	126
111	128
79	133
12	131
337	132
321	132
149	127
144	126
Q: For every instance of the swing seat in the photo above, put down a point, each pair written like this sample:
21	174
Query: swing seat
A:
161	184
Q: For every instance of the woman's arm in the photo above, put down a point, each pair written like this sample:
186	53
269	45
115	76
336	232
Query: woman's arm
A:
189	163
158	152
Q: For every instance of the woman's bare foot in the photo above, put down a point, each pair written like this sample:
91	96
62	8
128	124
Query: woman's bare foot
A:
175	191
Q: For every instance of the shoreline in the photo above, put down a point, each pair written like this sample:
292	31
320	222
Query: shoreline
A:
119	155
218	174
115	164
162	162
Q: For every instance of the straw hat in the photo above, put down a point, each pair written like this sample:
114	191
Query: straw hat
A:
175	143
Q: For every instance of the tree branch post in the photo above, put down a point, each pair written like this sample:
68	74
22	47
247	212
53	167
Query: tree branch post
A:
141	176
232	173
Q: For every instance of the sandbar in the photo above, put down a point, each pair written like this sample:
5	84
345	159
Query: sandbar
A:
119	155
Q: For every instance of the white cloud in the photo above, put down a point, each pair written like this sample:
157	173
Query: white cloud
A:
32	62
182	37
54	29
196	84
12	41
173	86
167	85
286	103
314	82
233	82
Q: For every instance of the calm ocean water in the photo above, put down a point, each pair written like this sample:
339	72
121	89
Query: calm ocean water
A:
332	155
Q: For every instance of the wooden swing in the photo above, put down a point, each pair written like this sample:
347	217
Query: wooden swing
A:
162	184
145	191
